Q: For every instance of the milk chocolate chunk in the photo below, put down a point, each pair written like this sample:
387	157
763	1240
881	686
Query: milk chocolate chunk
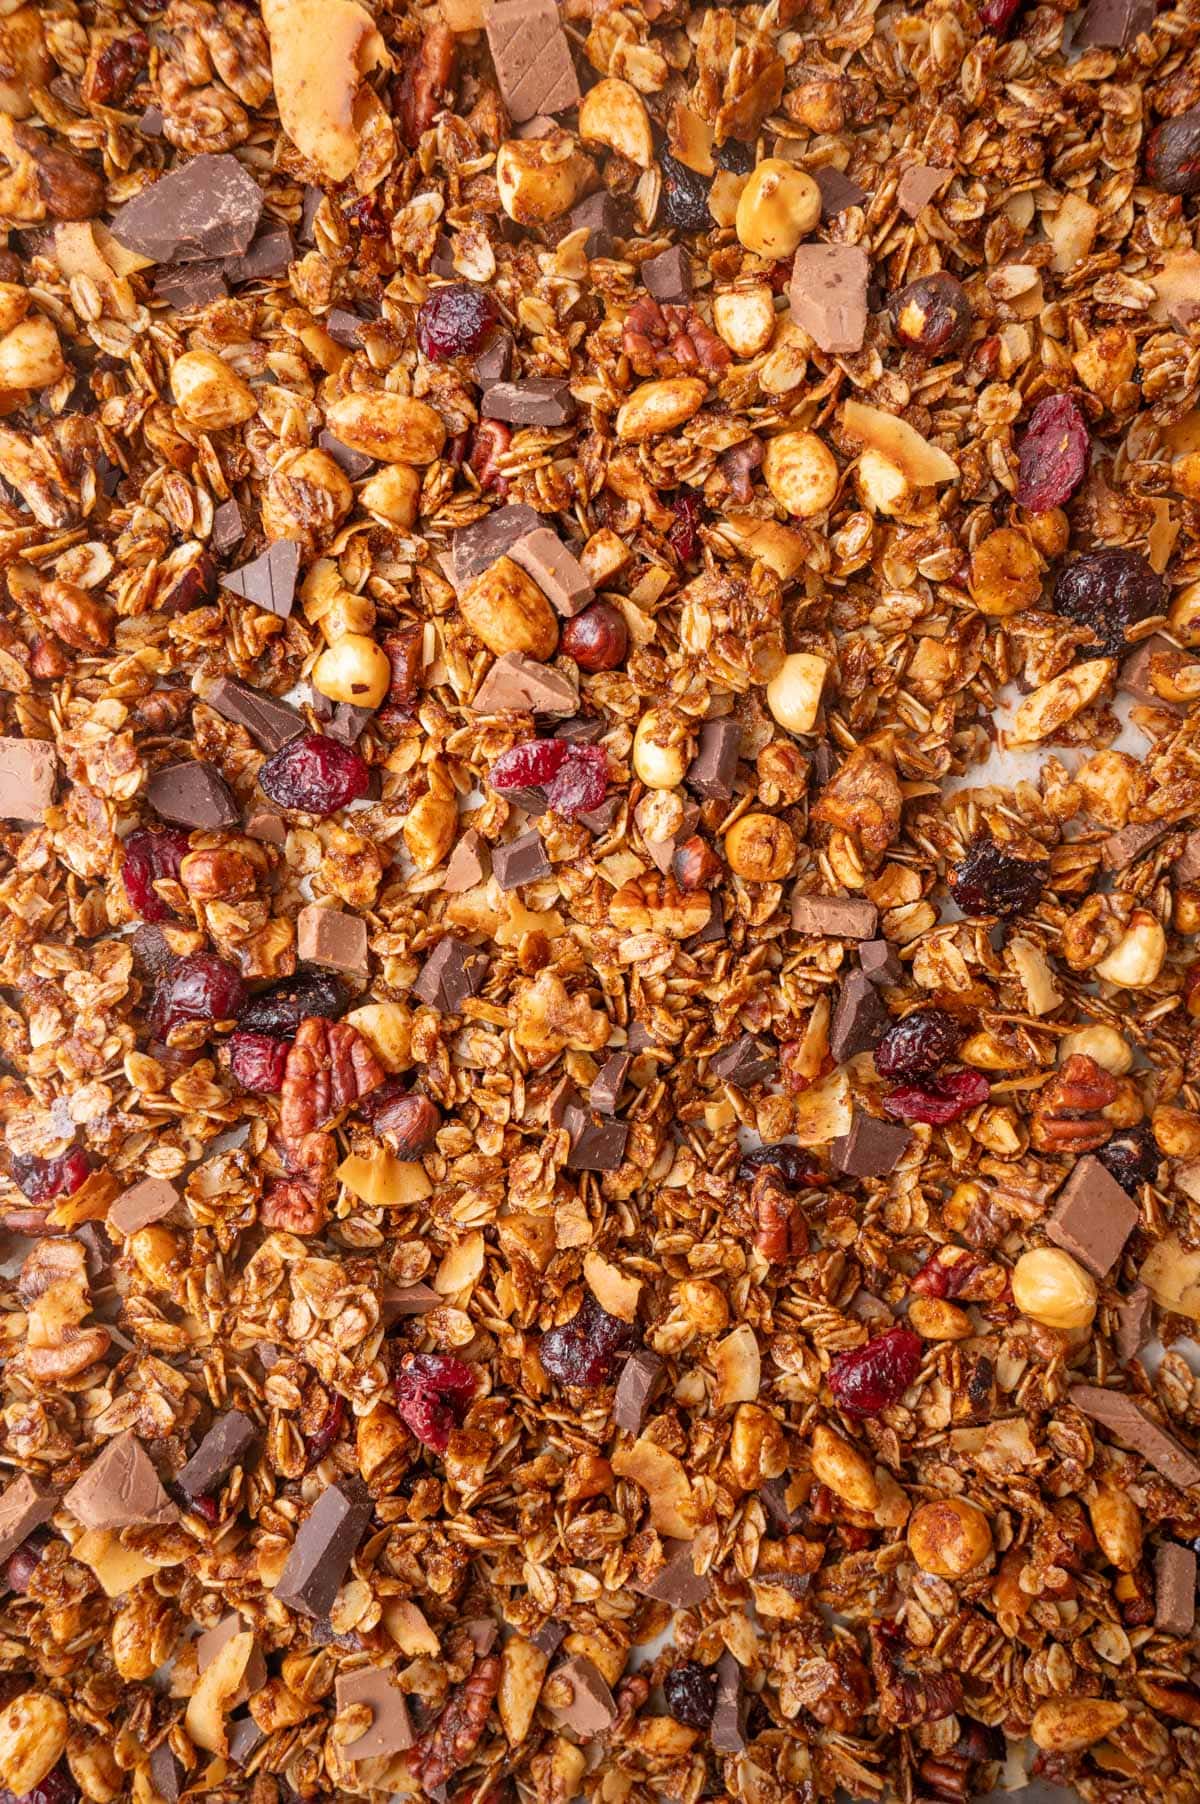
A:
243	1737
1130	1424
349	722
608	1083
828	295
1186	868
494	363
469	864
596	1144
871	1149
270	722
1137	668
390	1730
1093	1218
168	1775
345	328
1120	849
601	214
1134	1319
532	401
878	961
918	185
209	1645
550	1637
120	1489
228	528
475	548
713	769
452	973
641	1376
834	917
269	581
400	1300
747	1062
532	56
265	825
590	1708
518	684
1175	1589
557	572
27	771
352	463
727	1731
332	938
676	1582
207	207
859	1020
521	861
225	1446
668	277
325	1544
24	1506
149	1201
713	929
1113	24
193	794
838	191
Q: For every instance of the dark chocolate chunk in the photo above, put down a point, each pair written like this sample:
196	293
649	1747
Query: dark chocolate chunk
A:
150	125
676	1582
601	214
452	973
309	207
583	729
224	1446
193	794
713	930
668	277
713	769
24	1506
168	1775
1137	669
838	191
1134	1316
345	327
1175	1589
187	285
550	1637
532	57
1132	1426
641	1376
208	206
859	1020
877	961
244	1736
596	1144
871	1149
727	1732
522	860
270	722
442	261
494	363
1113	24
348	722
745	1063
532	401
228	528
773	1495
609	1082
1093	1218
475	548
599	820
325	1544
270	580
270	256
351	462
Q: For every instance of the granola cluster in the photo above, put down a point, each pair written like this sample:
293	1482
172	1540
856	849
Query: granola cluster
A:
599	873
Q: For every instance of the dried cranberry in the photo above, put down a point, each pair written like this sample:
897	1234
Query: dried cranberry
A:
584	1350
1108	592
1173	154
257	1062
868	1379
208	1507
684	536
735	156
918	1044
455	320
794	1165
201	987
1053	454
432	1393
941	1101
57	1787
684	196
570	778
1131	1157
317	1445
280	1010
149	857
316	774
993	881
41	1180
997	15
691	1693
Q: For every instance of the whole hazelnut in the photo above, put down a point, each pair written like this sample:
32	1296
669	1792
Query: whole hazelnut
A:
949	1537
695	864
597	639
932	314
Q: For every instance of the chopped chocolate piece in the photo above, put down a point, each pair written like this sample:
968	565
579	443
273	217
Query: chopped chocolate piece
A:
452	973
1120	849
878	961
550	1637
442	261
495	362
244	1736
871	1149
330	937
348	722
1134	674
517	684
325	1544
1134	1428
745	1063
564	1096
352	463
399	1300
150	125
24	1506
484	1631
834	917
713	769
1175	1589
608	1083
583	729
270	580
1093	1218
1112	24
209	1645
591	1708
309	207
859	1019
228	528
838	191
168	1775
668	277
556	571
120	1489
532	401
774	1498
265	825
641	1376
601	214
727	1732
1186	868
918	185
540	126
1134	1323
147	1202
475	548
828	295
596	1144
522	860
27	772
469	864
713	930
676	1582
187	285
345	328
599	820
390	1731
207	206
532	56
224	1446
193	794
270	256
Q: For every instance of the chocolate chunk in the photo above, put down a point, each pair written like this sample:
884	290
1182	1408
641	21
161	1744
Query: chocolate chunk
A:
348	723
24	1506
582	729
475	548
859	1020
270	256
727	1730
1120	849
540	126
120	1489
745	1063
243	1737
265	825
270	722
345	328
469	864
522	860
550	1637
1093	1218
150	124
517	684
399	1300
773	1495
601	214
224	1446
1134	1428
641	1376
918	185
599	820
1186	868
668	277
596	1144
390	1730
270	580
27	772
713	769
325	1544
1175	1589
1133	1323
193	794
168	1775
310	206
838	191
452	972
1134	675
609	1082
228	528
834	917
533	401
188	285
676	1582
564	1096
828	295
713	930
591	1708
556	571
147	1202
1112	24
877	961
484	1632
494	363
206	207
532	55
871	1149
209	1645
351	463
332	938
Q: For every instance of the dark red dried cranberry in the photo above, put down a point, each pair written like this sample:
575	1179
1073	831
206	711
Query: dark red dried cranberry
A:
1053	454
280	1010
684	196
684	536
489	441
1108	592
691	1693
317	1445
257	1062
1173	154
584	1350
315	774
932	315
455	320
41	1180
201	987
794	1165
868	1379
57	1787
940	1101
1132	1157
597	639
432	1393
149	857
918	1044
572	778
993	881
997	15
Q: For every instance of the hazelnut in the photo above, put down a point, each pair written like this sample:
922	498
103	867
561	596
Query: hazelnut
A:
30	354
704	1305
745	318
597	639
801	472
757	1446
1006	573
1099	1042
540	179
307	495
1137	958
394	493
695	864
761	848
354	670
209	394
1052	1288
661	751
779	205
932	315
949	1537
794	692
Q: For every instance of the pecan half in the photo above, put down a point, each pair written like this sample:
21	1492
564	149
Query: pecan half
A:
329	1067
780	1232
1065	1115
448	1745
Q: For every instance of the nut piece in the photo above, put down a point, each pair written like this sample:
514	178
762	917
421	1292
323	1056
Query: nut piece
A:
1050	1287
794	692
1111	1051
320	52
661	753
1117	1526
801	472
761	848
394	493
209	394
354	670
949	1537
1137	958
30	355
505	608
1006	573
540	179
1066	1725
660	407
745	318
393	428
779	206
614	114
842	1467
33	1735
